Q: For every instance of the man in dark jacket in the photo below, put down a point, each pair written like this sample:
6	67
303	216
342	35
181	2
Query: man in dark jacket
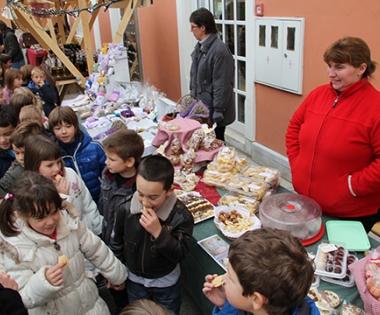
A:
212	71
11	45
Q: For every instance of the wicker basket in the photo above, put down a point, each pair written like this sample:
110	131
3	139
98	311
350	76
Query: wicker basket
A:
200	120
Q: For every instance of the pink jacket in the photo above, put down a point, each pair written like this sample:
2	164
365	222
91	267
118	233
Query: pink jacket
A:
333	136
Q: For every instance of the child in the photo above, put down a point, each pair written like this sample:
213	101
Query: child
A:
30	113
268	273
8	123
44	156
18	101
21	133
2	99
12	81
1	76
124	149
41	87
144	307
26	71
152	235
6	62
43	249
79	152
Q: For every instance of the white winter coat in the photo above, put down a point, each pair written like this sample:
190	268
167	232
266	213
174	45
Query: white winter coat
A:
29	254
80	197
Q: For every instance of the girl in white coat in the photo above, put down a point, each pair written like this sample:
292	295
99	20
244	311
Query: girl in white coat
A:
44	156
43	244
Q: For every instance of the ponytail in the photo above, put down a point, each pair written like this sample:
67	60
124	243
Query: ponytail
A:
7	218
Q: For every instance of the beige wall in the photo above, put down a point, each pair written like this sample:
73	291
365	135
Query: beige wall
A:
325	22
159	47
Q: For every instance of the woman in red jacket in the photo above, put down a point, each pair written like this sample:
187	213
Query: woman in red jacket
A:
333	139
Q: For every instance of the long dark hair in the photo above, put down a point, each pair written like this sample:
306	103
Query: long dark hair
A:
32	196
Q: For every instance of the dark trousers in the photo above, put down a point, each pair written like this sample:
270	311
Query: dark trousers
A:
169	297
219	132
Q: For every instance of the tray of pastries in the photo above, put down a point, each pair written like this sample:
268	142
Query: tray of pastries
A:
200	207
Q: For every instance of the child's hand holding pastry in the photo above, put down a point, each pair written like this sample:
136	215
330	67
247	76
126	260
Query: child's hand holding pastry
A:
213	289
63	186
150	222
54	274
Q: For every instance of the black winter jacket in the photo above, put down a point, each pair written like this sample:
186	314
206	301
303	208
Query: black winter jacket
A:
11	303
110	198
11	45
5	162
145	256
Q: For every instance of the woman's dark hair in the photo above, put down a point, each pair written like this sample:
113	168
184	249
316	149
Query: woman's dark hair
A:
351	50
203	17
32	196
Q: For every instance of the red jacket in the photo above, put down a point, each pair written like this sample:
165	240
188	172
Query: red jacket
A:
331	137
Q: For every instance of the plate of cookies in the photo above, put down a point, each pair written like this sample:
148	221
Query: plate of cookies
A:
235	221
325	300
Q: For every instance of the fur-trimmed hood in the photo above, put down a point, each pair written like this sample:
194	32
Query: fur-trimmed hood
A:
24	248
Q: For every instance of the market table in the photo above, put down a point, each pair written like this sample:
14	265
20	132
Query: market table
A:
198	264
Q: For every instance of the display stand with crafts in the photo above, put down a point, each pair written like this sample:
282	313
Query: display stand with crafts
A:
36	17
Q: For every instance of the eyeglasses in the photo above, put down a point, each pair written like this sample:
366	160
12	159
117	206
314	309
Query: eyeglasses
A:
193	26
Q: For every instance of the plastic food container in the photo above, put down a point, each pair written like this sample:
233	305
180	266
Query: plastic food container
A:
299	215
215	178
348	280
269	175
331	261
247	186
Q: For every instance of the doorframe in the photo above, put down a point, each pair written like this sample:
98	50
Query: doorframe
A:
186	42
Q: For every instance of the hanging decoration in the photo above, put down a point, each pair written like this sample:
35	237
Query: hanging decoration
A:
43	10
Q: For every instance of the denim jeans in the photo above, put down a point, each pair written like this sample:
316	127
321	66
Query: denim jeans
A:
169	297
18	64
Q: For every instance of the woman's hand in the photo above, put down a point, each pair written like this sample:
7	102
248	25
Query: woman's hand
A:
217	296
63	186
54	274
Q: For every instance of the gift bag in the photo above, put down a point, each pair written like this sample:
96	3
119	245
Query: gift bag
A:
191	108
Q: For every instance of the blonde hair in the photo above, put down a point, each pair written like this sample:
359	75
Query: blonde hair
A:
30	113
38	69
144	307
35	100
